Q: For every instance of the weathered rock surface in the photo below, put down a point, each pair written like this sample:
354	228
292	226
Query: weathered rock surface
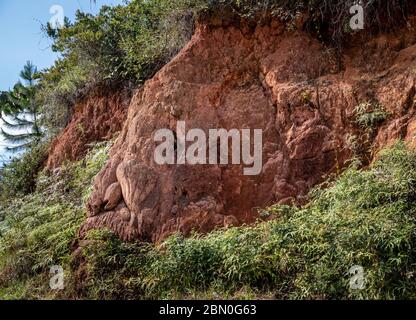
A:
96	118
285	83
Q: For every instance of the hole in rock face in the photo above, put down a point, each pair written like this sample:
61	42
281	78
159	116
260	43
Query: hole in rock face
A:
175	146
218	151
183	199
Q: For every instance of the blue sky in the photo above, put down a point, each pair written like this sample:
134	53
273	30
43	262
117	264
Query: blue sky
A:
22	40
21	36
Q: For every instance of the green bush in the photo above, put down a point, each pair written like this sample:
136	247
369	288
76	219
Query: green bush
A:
19	176
127	44
59	89
38	230
123	44
370	114
362	218
365	218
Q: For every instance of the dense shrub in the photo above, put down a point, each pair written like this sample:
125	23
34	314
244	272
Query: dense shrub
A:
121	45
362	218
19	176
37	230
370	114
129	43
365	218
328	17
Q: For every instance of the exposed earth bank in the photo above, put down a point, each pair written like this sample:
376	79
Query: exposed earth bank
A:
234	76
96	118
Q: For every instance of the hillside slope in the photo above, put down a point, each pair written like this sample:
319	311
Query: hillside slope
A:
314	114
336	190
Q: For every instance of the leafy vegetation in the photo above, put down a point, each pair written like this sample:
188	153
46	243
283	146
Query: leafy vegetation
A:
127	44
19	112
20	175
121	45
369	115
37	230
363	217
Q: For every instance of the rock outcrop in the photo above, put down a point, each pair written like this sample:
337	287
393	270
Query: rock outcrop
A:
96	118
235	76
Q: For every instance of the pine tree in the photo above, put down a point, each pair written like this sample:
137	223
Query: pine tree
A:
19	112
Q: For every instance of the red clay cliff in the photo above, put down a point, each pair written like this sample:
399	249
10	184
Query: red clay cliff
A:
284	82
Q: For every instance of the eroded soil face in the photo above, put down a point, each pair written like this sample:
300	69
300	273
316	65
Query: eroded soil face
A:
96	118
285	83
